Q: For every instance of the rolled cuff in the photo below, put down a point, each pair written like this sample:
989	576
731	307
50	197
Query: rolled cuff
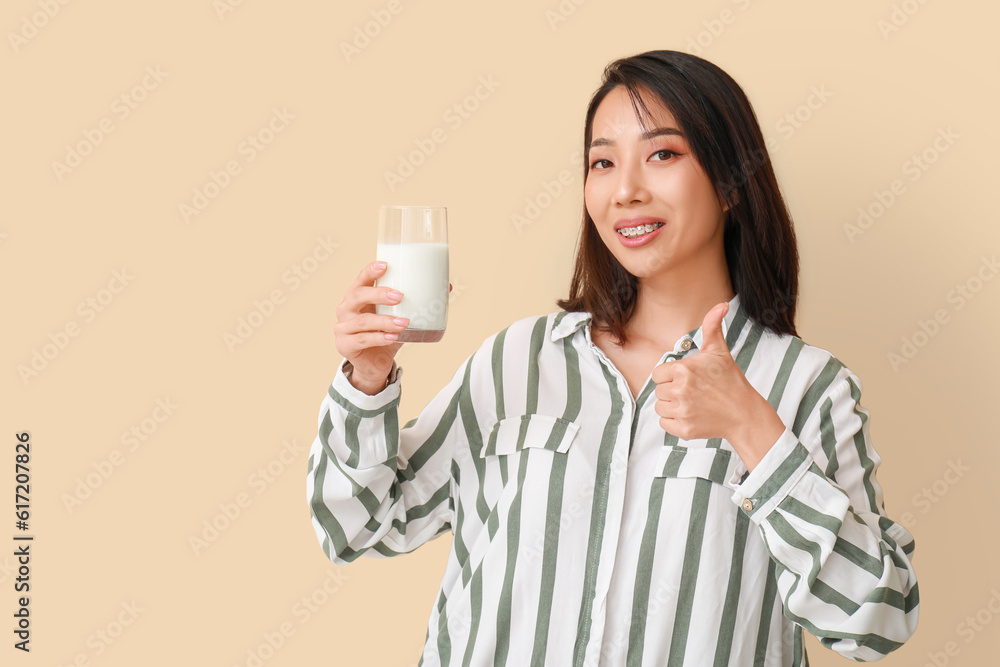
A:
773	477
358	402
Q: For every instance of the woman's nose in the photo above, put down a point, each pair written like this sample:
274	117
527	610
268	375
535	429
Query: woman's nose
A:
631	186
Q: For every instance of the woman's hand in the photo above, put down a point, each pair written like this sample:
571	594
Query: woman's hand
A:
708	396
365	338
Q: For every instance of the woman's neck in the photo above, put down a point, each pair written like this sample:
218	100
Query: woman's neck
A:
671	305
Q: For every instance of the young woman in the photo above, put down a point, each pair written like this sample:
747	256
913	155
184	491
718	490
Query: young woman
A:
660	473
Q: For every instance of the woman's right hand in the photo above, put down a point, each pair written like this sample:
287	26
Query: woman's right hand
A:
365	338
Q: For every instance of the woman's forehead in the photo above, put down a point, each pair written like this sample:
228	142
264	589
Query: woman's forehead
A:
617	115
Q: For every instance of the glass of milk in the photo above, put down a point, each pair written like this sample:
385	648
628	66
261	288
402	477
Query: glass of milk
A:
413	242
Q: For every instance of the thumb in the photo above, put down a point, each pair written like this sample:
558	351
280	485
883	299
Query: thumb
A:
711	329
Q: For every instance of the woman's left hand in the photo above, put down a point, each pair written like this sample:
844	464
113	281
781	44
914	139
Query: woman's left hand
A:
708	396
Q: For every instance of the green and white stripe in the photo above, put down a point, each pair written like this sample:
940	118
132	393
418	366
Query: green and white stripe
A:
585	535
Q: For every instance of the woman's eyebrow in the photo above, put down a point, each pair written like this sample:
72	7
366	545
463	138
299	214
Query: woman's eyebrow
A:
646	136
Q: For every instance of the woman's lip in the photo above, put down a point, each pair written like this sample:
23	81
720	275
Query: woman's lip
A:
637	220
640	240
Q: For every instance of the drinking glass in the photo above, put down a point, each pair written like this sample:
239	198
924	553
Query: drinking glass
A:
413	242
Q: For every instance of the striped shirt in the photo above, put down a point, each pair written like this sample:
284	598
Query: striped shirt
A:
586	535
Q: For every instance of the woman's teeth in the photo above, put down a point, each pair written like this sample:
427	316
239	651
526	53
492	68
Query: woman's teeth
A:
640	230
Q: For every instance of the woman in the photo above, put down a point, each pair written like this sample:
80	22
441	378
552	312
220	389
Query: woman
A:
660	473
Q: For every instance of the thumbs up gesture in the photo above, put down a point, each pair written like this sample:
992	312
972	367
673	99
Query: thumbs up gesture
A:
708	396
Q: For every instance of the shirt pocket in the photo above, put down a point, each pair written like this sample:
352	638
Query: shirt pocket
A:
520	457
716	464
536	431
518	462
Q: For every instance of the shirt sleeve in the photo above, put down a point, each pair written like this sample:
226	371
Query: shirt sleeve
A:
374	488
843	568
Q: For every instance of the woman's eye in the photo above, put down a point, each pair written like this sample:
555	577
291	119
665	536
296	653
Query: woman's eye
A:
665	154
598	164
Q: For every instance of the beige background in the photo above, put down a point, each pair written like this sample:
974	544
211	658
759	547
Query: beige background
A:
243	408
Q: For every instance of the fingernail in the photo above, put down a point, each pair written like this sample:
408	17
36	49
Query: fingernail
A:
379	266
393	294
402	321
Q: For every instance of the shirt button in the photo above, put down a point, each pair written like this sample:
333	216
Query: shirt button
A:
748	504
686	344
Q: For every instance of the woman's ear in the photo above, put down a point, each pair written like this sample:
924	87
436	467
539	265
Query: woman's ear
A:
734	199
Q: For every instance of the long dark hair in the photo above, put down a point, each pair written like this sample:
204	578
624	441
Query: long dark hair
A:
722	131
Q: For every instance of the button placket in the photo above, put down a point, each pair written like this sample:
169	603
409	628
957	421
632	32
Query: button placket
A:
615	507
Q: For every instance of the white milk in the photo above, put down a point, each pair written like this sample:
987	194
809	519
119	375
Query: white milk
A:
420	272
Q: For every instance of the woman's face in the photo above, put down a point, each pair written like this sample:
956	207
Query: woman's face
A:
649	177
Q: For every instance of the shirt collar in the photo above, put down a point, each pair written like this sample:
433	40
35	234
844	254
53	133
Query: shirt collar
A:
570	322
